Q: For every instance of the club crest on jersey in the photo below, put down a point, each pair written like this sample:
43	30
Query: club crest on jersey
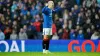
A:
50	15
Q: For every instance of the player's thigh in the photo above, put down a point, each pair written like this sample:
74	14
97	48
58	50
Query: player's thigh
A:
47	31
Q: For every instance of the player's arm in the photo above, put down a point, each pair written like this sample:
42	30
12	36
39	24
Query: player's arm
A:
45	10
58	8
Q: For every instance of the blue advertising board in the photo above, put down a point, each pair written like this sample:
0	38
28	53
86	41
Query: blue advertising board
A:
55	46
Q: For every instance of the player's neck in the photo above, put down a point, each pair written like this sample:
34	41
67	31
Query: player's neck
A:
50	7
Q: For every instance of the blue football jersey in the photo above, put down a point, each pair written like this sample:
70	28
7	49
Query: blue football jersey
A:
47	16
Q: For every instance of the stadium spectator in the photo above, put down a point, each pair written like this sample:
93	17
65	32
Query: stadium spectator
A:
25	21
65	34
77	28
72	34
55	36
32	26
13	36
7	33
98	1
71	3
65	15
25	28
88	33
80	35
59	24
65	31
22	35
97	21
37	25
79	19
70	24
18	11
54	29
25	2
60	33
33	11
24	10
95	36
2	36
16	26
31	32
13	7
78	2
30	3
87	24
76	10
93	28
88	3
29	17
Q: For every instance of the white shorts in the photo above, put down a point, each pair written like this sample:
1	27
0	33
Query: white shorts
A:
47	31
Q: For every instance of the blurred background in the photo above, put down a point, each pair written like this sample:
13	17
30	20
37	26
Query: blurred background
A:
22	19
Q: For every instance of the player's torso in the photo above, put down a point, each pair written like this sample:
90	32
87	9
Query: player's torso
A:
47	19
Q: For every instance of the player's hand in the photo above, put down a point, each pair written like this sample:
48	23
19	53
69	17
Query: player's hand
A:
46	4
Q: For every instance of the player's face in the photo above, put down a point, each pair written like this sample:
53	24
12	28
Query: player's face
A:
51	4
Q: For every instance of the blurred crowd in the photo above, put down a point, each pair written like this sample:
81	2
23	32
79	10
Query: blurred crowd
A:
22	19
